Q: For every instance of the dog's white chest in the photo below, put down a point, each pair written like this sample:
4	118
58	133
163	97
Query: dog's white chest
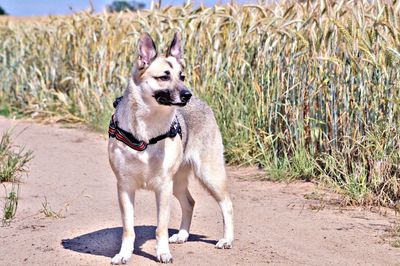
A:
149	168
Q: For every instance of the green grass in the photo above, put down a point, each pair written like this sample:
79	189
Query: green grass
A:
304	90
13	162
13	159
10	205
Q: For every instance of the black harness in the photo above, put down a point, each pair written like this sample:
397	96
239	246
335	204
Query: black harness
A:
128	139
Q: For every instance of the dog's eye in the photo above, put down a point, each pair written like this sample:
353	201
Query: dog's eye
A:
163	78
182	77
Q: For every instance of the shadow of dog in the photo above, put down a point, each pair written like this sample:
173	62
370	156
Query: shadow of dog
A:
106	242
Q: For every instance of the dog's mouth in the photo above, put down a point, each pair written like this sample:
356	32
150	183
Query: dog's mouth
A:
163	97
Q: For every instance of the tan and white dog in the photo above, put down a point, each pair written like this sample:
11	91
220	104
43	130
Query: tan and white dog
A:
155	98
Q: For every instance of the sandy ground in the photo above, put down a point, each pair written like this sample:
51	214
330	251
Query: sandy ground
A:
275	224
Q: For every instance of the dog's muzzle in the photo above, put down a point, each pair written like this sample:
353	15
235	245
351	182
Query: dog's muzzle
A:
163	97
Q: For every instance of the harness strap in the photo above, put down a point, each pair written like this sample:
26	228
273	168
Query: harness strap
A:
173	131
128	139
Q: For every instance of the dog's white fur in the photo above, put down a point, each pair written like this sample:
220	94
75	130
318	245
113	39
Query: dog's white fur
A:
166	166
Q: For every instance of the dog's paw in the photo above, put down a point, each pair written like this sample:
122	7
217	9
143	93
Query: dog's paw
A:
224	244
120	258
165	258
180	237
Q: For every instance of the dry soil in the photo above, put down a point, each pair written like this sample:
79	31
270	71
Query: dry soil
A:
275	223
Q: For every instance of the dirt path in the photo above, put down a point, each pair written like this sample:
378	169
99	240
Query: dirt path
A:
274	223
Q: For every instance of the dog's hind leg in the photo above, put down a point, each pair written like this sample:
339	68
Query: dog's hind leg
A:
186	201
126	199
211	173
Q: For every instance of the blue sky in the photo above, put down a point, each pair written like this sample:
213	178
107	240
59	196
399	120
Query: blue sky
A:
60	7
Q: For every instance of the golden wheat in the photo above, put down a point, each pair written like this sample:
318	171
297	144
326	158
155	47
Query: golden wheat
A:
305	90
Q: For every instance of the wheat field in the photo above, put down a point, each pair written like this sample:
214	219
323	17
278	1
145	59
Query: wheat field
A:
303	90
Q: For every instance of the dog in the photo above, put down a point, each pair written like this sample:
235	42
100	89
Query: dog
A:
160	135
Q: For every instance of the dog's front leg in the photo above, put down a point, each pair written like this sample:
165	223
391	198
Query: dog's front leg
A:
126	199
163	196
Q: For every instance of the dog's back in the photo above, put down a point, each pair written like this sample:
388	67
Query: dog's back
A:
201	135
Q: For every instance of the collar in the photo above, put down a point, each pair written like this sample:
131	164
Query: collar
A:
130	140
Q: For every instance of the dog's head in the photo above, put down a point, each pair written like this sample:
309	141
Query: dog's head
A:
161	77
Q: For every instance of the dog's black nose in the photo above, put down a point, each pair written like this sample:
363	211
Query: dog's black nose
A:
185	96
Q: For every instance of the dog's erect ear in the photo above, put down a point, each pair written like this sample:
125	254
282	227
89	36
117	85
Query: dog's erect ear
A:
175	48
147	50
